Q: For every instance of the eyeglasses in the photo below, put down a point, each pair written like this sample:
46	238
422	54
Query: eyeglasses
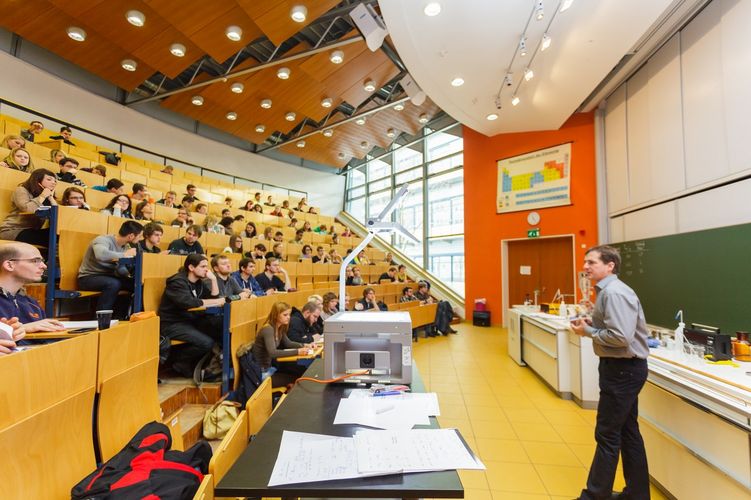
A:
33	260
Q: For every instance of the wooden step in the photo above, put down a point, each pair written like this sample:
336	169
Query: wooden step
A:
191	422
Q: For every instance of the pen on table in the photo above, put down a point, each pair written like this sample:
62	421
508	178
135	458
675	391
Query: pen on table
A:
387	393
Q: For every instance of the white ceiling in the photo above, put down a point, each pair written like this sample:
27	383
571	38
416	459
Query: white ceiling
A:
476	40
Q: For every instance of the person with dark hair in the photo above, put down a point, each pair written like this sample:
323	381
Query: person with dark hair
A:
144	211
268	234
444	313
301	323
244	277
320	256
250	230
68	169
356	278
389	275
408	295
119	206
152	237
228	287
258	208
401	274
168	169
330	305
298	237
259	252
277	212
35	192
193	286
65	134
226	223
279	236
188	244
169	199
369	301
269	201
202	208
140	192
292	222
182	218
269	280
248	206
236	218
18	159
187	202
306	253
100	170
276	252
35	127
191	192
619	338
228	201
285	204
114	186
100	272
74	197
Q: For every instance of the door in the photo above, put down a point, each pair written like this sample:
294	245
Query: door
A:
545	265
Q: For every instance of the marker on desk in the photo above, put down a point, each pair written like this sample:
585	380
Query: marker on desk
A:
387	393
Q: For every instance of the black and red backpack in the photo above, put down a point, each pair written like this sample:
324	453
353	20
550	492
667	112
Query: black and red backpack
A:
146	468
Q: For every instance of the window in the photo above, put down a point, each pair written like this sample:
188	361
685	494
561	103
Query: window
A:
433	210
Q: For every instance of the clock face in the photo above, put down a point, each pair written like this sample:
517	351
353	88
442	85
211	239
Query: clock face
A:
533	218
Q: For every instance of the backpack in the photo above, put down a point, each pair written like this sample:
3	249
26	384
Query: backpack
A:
146	468
250	375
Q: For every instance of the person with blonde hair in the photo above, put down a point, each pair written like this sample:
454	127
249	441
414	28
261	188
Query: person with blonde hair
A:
18	159
272	342
12	141
56	155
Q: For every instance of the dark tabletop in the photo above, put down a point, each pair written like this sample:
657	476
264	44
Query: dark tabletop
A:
311	407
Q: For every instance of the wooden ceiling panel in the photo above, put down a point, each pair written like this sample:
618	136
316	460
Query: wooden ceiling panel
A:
320	67
212	39
355	71
356	94
273	16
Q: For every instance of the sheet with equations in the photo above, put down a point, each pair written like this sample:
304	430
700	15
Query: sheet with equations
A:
395	412
306	458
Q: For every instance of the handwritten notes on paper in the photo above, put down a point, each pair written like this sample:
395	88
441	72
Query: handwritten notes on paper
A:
397	412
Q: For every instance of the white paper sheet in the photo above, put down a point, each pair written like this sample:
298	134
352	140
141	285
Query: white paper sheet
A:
388	412
305	458
415	450
428	400
7	331
72	325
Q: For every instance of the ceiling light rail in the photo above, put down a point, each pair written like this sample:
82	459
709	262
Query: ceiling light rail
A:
248	71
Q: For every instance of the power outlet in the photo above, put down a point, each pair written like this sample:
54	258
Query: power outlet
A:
367	360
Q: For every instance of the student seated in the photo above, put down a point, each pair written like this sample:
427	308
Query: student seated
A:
65	134
168	169
277	252
193	286
408	295
152	238
318	301
258	208
202	208
226	224
259	252
248	206
272	343
100	170
401	274
211	225
18	159
228	287
355	279
188	244
369	302
321	256
307	227
74	197
144	211
56	155
100	271
187	202
191	192
361	259
250	231
334	256
119	206
20	224
292	222
12	141
268	279
35	127
277	212
236	218
226	212
228	201
18	332
269	202
307	253
298	237
389	275
246	280
20	265
321	229
68	169
169	199
182	219
279	236
140	193
443	315
285	204
389	258
114	186
330	305
301	323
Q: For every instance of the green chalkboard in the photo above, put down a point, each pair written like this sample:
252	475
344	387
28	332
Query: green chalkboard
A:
707	274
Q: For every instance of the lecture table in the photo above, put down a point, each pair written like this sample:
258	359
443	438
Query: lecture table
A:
311	407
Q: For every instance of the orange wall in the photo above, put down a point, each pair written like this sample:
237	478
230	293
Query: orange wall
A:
484	229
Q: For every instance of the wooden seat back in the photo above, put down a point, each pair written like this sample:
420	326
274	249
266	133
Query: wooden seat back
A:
153	288
231	447
71	249
259	407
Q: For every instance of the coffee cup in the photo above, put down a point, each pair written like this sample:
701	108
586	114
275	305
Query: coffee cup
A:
104	318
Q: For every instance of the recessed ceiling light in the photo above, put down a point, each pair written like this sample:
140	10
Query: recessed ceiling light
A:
364	144
266	103
237	88
336	56
129	64
423	118
234	33
432	9
515	100
135	17
231	116
260	128
76	33
327	102
177	49
283	73
369	86
492	116
197	100
290	117
341	155
545	42
301	143
565	5
328	132
457	82
399	107
299	13
360	120
529	74
391	132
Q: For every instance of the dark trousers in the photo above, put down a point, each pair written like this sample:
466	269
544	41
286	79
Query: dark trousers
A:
110	286
617	431
199	337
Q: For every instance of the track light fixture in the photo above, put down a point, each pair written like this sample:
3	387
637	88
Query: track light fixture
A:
515	100
546	41
341	155
423	119
523	46
301	143
529	74
391	133
399	107
364	145
539	11
360	120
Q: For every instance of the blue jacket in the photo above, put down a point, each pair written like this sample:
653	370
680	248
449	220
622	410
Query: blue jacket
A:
20	306
250	284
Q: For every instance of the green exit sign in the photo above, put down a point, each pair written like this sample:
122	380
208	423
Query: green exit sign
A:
533	233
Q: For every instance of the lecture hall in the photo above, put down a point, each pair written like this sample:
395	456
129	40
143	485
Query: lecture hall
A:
375	249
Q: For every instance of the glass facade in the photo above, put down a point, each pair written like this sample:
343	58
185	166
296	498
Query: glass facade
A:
433	211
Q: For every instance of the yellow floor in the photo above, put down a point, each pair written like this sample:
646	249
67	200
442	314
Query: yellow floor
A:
534	444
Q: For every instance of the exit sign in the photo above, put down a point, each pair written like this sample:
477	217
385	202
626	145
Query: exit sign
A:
533	233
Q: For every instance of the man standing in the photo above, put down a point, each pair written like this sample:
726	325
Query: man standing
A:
228	287
99	270
244	277
188	244
302	323
193	286
619	337
268	279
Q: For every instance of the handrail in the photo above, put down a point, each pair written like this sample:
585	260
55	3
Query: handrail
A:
437	287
